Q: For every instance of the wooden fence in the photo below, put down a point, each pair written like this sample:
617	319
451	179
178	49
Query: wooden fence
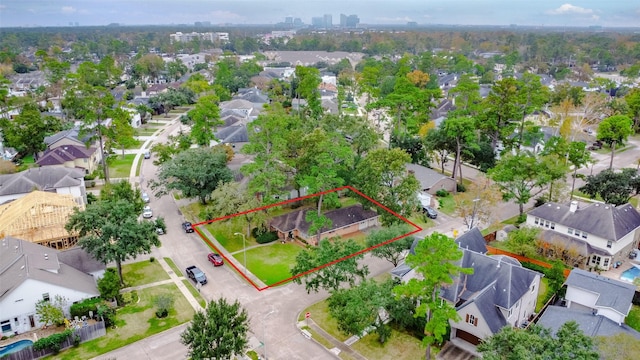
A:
86	333
495	251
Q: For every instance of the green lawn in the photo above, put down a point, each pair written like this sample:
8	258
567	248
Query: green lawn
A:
542	293
320	314
120	167
270	263
135	322
447	204
400	346
225	232
196	294
633	319
173	266
143	272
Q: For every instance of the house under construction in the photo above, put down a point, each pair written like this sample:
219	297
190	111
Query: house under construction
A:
40	217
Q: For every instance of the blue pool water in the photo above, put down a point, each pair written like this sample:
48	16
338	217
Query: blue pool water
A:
13	347
631	274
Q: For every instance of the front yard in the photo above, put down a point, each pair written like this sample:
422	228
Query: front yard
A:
271	263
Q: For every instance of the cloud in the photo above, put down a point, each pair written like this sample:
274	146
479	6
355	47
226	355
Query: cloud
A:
226	16
68	10
568	9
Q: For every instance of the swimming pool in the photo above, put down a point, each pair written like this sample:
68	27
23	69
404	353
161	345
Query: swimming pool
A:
630	274
14	347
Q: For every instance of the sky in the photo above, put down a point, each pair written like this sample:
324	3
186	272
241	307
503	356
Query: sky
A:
606	13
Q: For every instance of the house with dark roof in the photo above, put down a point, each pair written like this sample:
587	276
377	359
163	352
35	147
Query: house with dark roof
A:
30	273
591	324
599	295
430	180
499	292
71	156
66	138
344	221
602	234
60	180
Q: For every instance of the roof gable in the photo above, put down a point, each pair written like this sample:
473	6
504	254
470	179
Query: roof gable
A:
612	293
49	178
339	218
62	154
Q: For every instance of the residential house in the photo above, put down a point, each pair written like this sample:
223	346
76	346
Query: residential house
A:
30	273
602	234
71	156
344	221
430	180
60	180
591	325
40	217
599	295
499	292
68	137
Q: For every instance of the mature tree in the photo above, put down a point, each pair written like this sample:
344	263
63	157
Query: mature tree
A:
574	152
522	241
500	109
461	131
122	190
477	204
319	267
197	83
392	251
120	134
230	198
523	176
308	81
435	259
218	332
27	131
615	130
632	100
438	146
467	96
205	117
382	175
194	172
111	232
568	343
109	284
358	308
150	65
51	312
176	69
613	187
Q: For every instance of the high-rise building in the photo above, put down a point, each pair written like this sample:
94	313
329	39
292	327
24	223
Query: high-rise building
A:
343	20
317	22
288	20
328	21
353	21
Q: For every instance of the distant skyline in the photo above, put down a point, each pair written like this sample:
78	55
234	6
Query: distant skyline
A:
573	13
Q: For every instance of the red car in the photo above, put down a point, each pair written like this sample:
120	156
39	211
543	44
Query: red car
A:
215	259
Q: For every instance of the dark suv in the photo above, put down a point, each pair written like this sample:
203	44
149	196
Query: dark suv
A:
430	212
188	228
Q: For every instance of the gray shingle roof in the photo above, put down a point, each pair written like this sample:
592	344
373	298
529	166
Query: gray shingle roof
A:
62	154
73	134
80	260
592	325
472	240
21	260
339	218
613	294
605	221
40	179
497	281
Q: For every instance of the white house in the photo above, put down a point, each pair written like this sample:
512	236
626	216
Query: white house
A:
599	295
30	273
603	234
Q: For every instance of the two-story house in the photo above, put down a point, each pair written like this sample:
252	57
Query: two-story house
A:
603	234
59	180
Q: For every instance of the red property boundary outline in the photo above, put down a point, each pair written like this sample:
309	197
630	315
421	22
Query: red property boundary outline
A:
347	187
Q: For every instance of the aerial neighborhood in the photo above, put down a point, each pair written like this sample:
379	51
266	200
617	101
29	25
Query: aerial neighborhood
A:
332	190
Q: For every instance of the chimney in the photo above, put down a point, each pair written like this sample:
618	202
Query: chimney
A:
573	207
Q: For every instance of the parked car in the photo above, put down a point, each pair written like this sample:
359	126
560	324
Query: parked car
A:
215	259
147	154
159	231
196	275
147	212
596	145
430	212
188	228
145	197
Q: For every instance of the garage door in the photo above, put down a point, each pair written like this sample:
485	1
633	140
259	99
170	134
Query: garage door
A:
468	337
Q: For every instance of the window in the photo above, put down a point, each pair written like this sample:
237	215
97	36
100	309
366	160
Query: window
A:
45	297
584	235
536	221
609	244
606	262
6	326
472	320
595	260
570	231
533	288
553	226
546	224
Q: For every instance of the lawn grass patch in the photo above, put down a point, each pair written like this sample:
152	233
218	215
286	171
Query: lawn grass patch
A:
447	204
192	211
138	167
271	263
225	233
318	338
633	319
173	266
320	314
120	167
196	294
542	293
135	322
400	346
143	272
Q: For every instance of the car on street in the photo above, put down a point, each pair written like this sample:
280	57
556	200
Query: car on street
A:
430	212
215	259
188	228
196	275
147	154
147	212
145	197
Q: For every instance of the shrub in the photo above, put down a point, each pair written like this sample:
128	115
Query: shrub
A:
152	259
267	237
84	307
107	313
442	193
163	302
540	201
53	342
461	188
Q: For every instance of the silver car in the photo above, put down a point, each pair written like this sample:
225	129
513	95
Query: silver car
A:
147	212
145	197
